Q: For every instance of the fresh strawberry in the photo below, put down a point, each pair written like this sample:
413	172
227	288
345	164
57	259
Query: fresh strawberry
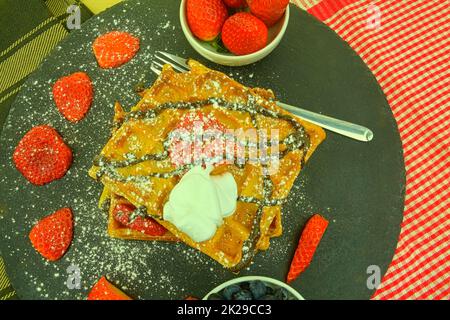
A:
105	290
206	17
243	33
115	48
269	11
52	235
235	4
123	213
309	240
73	95
42	156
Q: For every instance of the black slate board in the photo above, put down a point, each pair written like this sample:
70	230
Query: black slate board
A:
358	186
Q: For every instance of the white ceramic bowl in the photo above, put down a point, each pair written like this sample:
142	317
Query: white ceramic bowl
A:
276	33
268	281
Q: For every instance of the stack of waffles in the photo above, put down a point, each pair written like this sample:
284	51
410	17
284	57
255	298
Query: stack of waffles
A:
135	166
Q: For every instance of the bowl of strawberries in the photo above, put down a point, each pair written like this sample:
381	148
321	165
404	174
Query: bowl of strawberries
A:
234	32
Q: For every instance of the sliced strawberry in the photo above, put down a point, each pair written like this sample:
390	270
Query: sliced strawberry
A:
205	18
244	33
73	95
123	213
115	48
269	11
309	240
42	156
52	235
105	290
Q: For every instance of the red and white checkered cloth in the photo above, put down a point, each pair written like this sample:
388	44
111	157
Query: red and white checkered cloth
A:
406	44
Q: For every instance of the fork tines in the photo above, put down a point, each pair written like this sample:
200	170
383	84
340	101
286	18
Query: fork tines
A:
161	58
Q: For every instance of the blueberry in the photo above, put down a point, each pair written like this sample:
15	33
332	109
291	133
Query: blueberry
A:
215	296
245	285
281	294
267	297
269	290
258	289
229	291
243	295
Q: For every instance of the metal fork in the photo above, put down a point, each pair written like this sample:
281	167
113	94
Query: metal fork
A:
342	127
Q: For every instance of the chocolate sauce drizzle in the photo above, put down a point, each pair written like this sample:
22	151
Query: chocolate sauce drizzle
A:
298	140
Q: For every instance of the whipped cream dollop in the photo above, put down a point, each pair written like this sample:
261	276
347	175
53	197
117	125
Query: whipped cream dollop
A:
200	201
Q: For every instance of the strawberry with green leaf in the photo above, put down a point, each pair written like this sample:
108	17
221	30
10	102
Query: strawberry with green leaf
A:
206	18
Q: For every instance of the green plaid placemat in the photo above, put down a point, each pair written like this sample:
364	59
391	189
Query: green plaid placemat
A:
29	30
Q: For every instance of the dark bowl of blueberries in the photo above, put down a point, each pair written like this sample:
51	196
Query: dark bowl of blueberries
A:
253	288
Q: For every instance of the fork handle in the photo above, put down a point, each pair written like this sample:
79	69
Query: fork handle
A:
342	127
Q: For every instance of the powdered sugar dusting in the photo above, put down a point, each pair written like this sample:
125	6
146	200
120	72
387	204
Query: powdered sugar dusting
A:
142	269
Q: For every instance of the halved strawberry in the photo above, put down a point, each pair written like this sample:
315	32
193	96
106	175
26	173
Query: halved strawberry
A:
123	213
52	235
309	240
42	156
115	48
73	95
205	18
105	290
